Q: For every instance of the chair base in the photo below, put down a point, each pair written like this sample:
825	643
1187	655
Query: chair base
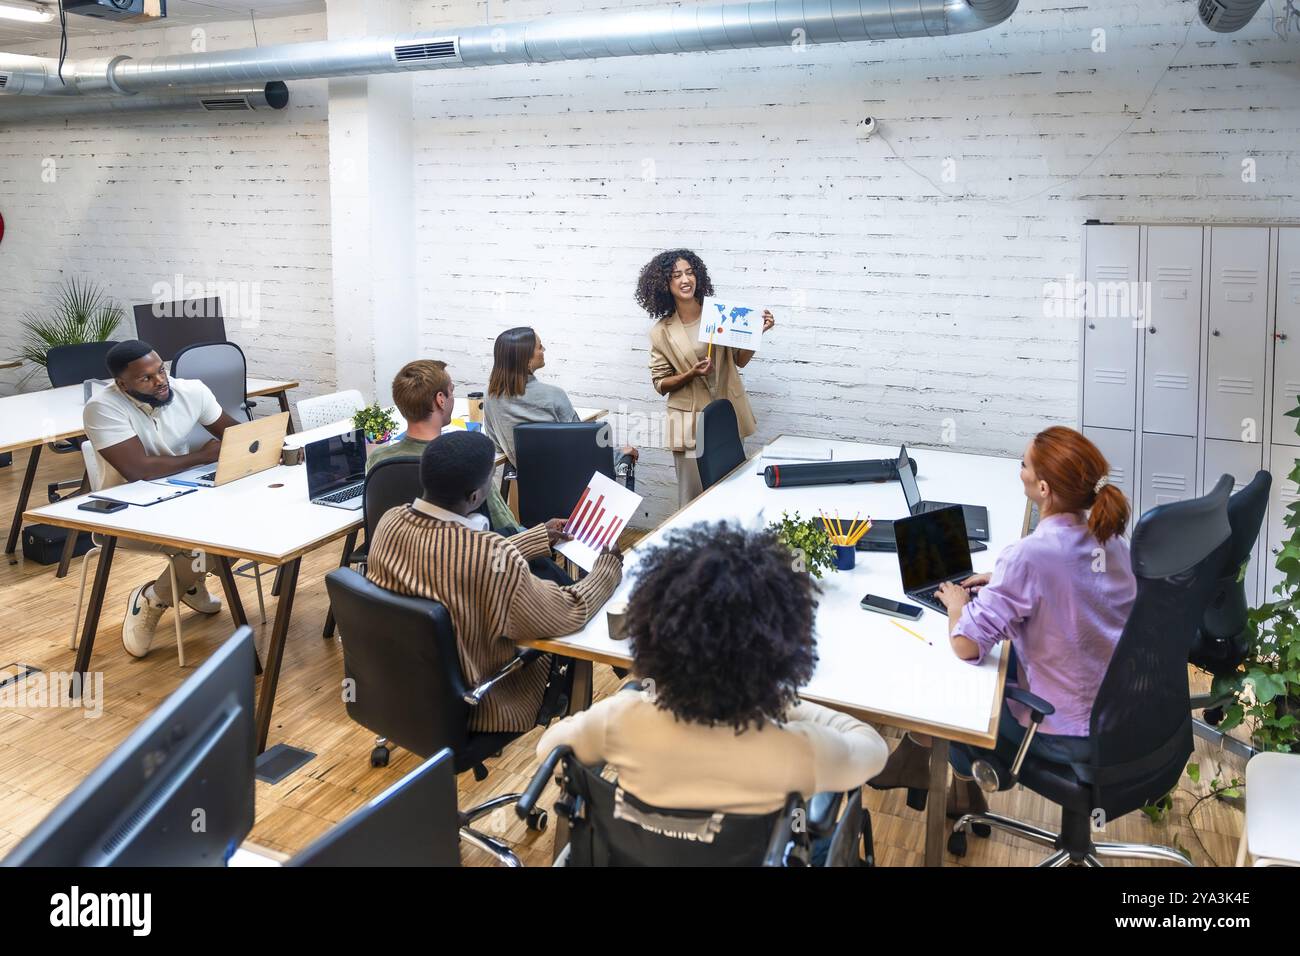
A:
498	849
1065	856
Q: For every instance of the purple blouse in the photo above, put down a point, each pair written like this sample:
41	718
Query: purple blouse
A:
1062	599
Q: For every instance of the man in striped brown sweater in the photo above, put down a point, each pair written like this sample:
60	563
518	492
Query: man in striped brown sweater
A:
438	548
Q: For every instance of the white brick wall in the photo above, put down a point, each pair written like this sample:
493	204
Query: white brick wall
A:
215	198
533	209
898	306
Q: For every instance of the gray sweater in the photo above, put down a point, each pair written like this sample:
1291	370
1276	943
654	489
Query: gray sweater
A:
539	403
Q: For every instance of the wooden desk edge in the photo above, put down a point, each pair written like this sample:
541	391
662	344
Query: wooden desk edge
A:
275	388
189	544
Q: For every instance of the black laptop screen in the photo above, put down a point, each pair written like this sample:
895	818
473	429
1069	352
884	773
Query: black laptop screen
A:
932	547
333	463
911	493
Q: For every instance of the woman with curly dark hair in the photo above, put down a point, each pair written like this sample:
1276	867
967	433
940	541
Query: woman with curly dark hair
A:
722	635
671	288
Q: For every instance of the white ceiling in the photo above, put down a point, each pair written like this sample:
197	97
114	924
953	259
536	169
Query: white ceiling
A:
179	13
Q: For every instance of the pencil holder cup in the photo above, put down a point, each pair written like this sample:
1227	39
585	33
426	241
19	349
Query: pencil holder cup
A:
846	557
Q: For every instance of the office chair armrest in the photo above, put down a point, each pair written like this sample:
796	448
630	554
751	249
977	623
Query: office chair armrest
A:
823	812
524	806
1038	709
475	696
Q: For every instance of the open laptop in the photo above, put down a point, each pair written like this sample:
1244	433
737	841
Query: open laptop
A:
336	470
977	516
932	548
246	449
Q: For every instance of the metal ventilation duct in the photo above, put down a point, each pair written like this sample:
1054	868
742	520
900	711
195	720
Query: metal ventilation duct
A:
270	96
1227	16
684	29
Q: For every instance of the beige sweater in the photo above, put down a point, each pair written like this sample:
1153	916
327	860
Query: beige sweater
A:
676	765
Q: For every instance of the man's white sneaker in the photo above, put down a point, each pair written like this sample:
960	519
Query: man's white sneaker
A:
142	614
200	599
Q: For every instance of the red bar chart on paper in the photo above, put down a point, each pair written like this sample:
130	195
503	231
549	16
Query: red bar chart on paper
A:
602	512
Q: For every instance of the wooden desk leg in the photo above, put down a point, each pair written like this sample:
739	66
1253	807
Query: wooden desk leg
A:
348	547
70	544
233	601
284	407
23	494
88	630
275	653
275	584
580	696
936	807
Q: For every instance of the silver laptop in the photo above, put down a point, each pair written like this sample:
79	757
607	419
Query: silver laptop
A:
336	470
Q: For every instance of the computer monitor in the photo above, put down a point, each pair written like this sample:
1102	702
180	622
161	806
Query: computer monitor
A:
907	478
178	792
335	462
932	547
415	822
171	326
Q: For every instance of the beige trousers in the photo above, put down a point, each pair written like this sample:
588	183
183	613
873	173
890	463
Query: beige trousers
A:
689	486
186	564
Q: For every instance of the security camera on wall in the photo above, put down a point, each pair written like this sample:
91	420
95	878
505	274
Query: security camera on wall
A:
117	9
868	126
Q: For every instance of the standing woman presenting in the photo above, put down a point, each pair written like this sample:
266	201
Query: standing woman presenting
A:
671	289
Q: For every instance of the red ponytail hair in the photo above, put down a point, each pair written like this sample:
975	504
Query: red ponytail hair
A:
1073	466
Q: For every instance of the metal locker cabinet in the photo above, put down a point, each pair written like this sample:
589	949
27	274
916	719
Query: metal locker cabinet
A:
1117	448
1171	366
1286	350
1241	460
1283	493
1238	326
1168	470
1109	332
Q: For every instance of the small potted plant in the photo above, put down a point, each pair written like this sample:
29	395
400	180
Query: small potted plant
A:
808	542
377	422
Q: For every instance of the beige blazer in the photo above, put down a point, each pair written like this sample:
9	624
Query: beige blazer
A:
672	352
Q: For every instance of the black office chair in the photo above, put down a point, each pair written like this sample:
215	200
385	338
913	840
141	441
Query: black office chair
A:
393	482
73	365
556	460
718	442
1222	642
400	653
1141	726
610	827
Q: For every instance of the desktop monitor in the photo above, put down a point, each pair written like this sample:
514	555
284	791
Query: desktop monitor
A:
171	326
415	822
178	792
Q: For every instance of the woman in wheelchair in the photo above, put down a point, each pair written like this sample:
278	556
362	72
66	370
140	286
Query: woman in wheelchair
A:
1060	595
721	627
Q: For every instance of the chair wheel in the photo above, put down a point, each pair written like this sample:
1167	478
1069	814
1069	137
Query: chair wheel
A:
981	830
379	757
957	843
480	773
1213	716
537	821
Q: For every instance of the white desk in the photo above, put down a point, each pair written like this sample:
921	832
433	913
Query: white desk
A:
34	419
867	666
265	516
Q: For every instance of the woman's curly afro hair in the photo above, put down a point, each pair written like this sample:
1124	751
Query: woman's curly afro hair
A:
652	292
723	624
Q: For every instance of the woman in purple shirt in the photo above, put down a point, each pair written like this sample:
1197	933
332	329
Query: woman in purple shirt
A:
1060	596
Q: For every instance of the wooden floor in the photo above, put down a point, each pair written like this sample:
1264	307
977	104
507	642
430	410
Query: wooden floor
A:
45	752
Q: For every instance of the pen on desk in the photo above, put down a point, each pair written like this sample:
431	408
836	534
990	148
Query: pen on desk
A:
912	632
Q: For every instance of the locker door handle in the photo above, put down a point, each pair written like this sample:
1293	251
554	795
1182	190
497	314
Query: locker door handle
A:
1092	325
1280	336
1152	329
1215	332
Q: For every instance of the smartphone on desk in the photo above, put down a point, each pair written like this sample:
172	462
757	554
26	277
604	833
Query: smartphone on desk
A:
102	506
908	612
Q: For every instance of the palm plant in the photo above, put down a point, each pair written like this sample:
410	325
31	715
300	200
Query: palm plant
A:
81	313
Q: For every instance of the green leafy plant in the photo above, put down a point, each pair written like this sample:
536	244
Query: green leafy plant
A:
376	421
807	541
80	313
1265	690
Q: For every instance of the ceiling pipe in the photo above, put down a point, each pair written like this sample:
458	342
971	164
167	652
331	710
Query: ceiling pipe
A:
681	29
1227	16
268	96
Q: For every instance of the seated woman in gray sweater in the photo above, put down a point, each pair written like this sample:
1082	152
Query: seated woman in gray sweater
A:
722	636
516	397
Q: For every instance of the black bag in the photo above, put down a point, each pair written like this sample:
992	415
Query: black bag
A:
43	543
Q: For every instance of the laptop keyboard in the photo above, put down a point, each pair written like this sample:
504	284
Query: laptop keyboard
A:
927	598
210	476
345	494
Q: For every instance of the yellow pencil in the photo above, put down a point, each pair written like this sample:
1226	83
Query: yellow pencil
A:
912	632
711	334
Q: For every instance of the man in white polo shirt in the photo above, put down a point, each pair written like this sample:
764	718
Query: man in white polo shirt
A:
140	428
